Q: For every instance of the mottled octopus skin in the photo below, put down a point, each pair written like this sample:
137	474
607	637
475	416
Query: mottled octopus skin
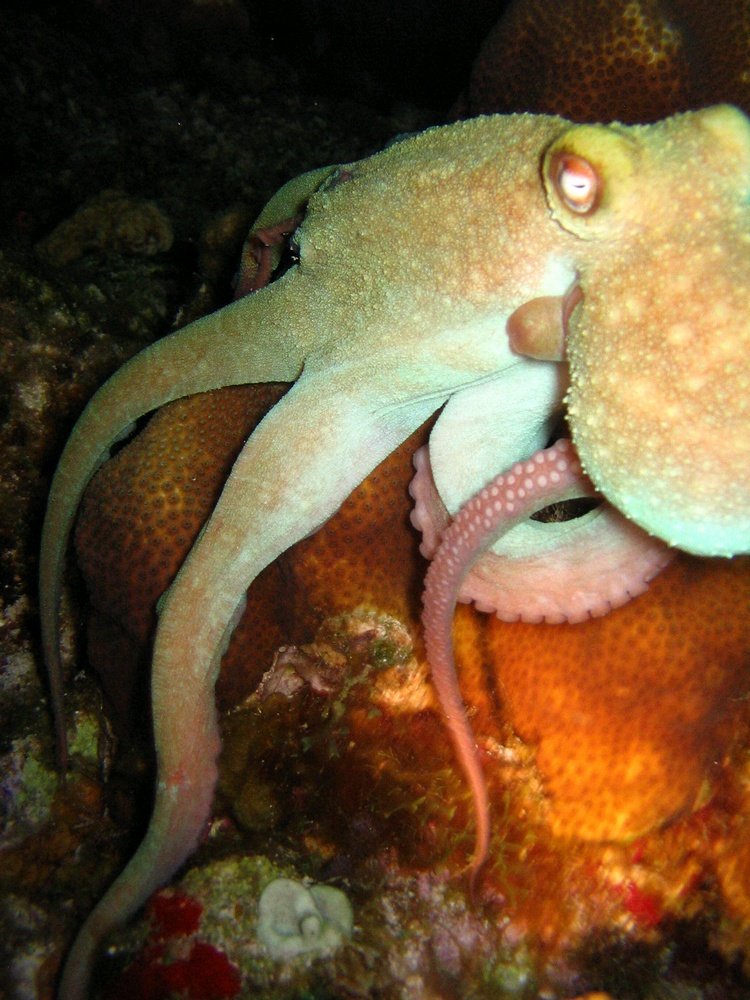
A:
614	60
661	419
389	313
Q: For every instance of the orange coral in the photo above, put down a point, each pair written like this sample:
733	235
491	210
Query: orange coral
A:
630	714
140	517
613	59
628	711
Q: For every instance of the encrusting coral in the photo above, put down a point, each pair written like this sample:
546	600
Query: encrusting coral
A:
631	712
612	59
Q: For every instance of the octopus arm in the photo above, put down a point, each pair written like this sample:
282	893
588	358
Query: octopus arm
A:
210	353
548	476
558	570
302	461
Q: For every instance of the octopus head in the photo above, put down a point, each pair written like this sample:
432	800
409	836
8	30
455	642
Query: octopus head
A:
659	342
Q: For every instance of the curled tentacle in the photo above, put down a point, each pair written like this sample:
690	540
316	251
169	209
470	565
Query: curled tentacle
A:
550	476
557	570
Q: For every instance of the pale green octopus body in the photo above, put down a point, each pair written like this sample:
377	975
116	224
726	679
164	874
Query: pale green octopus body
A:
410	266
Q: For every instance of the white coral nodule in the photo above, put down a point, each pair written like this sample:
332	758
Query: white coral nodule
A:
294	919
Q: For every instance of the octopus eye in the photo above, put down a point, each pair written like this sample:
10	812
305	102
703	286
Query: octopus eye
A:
577	183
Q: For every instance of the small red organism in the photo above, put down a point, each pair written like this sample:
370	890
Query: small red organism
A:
639	851
205	974
646	908
173	913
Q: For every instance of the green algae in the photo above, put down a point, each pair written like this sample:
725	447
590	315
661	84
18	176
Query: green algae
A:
85	739
245	875
37	788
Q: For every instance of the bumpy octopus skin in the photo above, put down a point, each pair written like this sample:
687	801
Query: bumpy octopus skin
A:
643	406
389	313
620	60
660	418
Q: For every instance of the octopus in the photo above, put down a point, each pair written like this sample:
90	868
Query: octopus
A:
451	272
